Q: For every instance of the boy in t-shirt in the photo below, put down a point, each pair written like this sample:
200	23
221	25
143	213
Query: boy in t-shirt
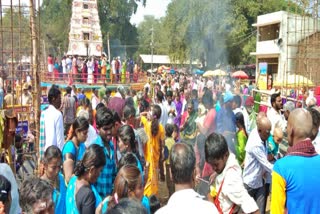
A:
169	142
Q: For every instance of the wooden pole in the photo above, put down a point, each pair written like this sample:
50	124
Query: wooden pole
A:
109	52
35	71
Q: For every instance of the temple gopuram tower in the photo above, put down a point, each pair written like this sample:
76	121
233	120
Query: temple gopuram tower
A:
85	38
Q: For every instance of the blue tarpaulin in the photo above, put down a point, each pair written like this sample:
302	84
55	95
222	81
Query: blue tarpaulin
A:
198	71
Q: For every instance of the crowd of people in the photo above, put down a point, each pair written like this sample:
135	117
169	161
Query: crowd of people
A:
92	69
214	151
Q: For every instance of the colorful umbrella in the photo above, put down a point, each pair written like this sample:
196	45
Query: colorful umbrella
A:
217	72
240	75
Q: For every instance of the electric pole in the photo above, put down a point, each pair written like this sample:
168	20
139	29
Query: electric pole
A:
151	45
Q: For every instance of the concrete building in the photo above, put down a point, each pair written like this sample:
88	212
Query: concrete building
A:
280	38
85	38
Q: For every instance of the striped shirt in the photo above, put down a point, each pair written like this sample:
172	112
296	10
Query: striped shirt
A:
51	129
104	184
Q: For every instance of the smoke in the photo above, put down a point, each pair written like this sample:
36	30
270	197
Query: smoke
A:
208	31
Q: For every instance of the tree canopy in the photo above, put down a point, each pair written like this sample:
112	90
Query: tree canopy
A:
218	32
214	31
15	35
114	21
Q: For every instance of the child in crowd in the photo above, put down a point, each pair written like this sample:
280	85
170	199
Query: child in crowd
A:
154	204
242	138
169	142
175	133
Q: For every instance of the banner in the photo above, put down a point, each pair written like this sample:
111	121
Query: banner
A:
22	128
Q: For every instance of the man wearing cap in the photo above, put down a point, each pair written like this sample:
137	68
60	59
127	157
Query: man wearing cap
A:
26	98
8	99
226	121
249	118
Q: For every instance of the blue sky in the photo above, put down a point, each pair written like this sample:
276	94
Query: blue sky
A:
157	8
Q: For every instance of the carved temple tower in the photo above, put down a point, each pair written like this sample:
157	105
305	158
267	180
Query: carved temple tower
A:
85	38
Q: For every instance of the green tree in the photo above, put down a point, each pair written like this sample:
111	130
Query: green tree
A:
160	42
55	17
214	31
114	21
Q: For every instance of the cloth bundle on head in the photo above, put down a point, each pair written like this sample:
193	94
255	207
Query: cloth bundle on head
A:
249	101
228	97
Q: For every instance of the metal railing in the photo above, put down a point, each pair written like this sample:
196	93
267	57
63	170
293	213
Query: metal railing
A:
92	79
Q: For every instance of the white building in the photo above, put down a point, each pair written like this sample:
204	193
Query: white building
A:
85	38
279	36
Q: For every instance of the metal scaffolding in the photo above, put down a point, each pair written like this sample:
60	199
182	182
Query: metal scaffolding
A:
303	43
19	54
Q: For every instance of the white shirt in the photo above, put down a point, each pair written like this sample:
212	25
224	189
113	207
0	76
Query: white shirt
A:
92	135
233	190
246	120
176	86
164	114
169	108
113	65
237	110
68	64
64	66
187	202
276	119
94	101
256	163
195	86
147	85
54	131
28	79
210	84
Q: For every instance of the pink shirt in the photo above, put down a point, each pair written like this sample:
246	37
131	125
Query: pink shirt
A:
50	60
209	121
